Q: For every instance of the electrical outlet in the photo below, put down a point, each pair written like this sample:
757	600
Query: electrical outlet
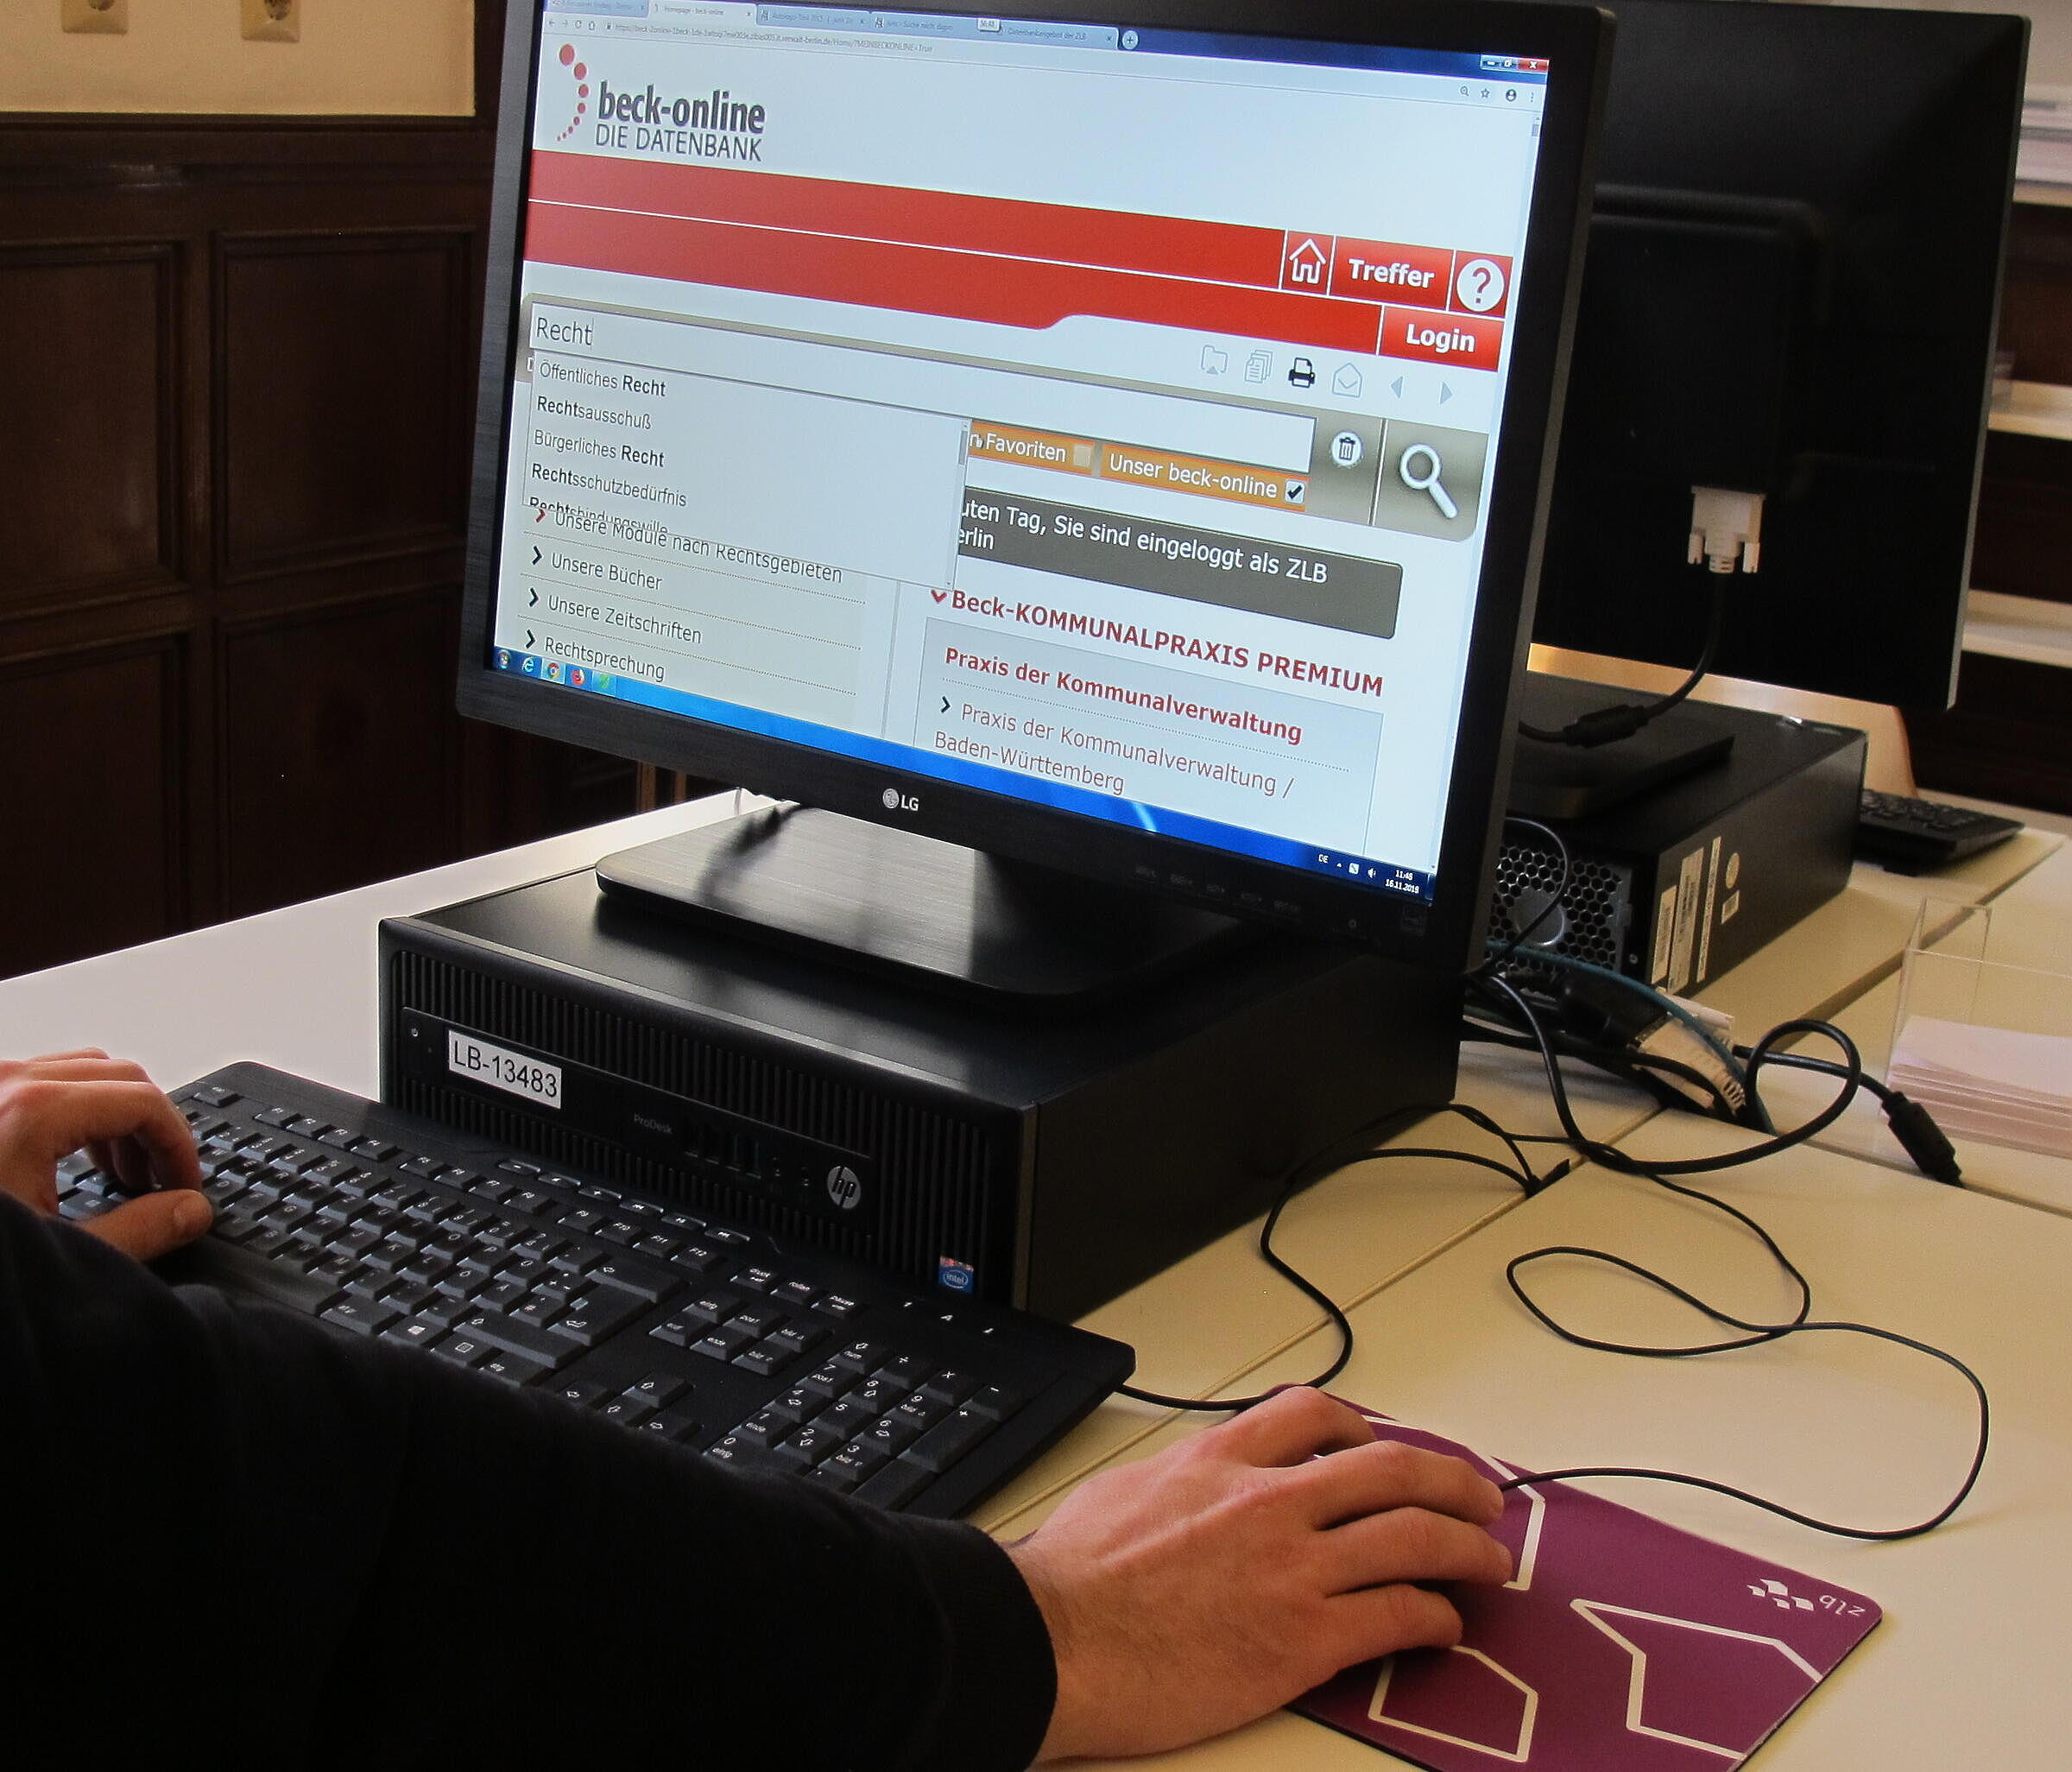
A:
110	17
271	21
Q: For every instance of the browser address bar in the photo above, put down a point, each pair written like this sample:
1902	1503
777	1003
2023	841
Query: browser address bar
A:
1207	427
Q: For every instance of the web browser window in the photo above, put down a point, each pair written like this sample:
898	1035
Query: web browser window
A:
1096	416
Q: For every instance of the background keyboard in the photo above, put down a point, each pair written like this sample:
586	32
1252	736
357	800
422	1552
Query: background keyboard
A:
1918	836
757	1355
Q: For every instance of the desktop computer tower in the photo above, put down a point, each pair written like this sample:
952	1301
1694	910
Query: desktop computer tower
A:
1049	1161
1683	880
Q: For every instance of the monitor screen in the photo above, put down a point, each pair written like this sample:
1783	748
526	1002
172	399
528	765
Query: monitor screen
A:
1034	426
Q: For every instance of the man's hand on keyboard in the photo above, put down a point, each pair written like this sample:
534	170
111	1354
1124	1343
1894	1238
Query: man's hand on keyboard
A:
53	1106
1205	1586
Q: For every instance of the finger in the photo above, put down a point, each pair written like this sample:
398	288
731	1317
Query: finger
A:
1379	1621
52	1120
86	1067
1291	1427
131	1163
153	1225
1389	1473
1410	1544
79	1052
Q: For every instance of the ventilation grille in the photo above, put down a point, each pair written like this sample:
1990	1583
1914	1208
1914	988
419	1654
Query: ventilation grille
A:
1598	905
936	1171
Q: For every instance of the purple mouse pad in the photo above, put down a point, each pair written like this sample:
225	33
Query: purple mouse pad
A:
1620	1645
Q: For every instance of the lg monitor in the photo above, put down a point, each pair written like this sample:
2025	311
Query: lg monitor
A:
1110	445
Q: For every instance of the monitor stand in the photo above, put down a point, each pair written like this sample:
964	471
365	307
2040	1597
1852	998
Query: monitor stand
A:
926	912
1568	781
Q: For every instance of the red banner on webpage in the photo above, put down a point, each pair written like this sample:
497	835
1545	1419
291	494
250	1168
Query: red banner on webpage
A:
997	260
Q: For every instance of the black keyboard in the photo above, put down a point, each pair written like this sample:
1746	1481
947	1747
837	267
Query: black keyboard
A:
757	1354
1918	836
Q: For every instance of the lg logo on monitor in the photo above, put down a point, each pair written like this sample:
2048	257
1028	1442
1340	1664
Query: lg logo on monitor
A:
896	801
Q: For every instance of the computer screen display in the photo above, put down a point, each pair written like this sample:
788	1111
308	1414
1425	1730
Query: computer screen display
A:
1101	417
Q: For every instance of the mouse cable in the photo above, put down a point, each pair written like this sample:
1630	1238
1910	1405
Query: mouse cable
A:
1497	961
1608	726
1355	1148
1755	1335
1923	1140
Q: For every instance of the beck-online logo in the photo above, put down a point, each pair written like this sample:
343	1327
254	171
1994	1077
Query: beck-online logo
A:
717	125
581	78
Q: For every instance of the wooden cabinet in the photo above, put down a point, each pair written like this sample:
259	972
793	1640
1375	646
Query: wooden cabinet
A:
237	361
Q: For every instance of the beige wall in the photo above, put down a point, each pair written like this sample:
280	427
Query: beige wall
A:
413	57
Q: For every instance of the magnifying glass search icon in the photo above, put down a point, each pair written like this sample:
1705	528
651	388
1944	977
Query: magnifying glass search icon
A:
1426	479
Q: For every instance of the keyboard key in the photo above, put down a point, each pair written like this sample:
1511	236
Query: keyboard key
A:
678	1333
661	1389
894	1486
464	1350
216	1097
274	1115
949	1386
862	1358
639	1208
766	1427
860	1461
721	1343
828	1382
627	1411
890	1435
836	1305
799	1338
369	1282
697	1258
756	1279
360	1315
807	1447
909	1370
846	1416
520	1338
737	1453
534	1202
994	1402
679	1424
375	1150
714	1305
797	1406
728	1239
683	1221
943	1445
514	1368
417	1330
651	1285
655	1244
763	1359
583	1392
582	1221
597	1315
505	1293
923	1411
796	1291
411	1295
839	1477
622	1231
757	1321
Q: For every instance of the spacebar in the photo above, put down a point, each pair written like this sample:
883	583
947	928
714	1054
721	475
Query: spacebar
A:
229	1269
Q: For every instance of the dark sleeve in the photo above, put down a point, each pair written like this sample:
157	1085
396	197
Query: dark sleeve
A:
227	1526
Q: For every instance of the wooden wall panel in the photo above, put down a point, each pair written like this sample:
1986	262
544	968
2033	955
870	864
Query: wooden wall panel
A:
345	365
341	748
92	842
2008	738
108	446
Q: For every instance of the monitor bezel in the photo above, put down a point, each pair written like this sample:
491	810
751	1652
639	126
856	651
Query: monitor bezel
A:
1447	932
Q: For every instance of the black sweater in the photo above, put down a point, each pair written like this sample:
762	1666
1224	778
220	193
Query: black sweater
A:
230	1537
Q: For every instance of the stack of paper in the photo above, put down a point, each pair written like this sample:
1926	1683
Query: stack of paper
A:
1996	1084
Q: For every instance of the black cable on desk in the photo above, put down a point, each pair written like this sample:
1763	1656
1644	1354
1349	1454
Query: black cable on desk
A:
1354	1148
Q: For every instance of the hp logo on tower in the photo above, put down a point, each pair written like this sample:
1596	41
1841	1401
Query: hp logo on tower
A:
845	1187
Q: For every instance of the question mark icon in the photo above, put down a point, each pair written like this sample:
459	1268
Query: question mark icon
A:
1479	285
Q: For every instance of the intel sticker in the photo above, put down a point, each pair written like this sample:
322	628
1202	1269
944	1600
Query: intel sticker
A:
955	1276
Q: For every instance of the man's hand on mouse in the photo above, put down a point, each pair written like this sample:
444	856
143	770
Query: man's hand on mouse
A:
1203	1587
84	1100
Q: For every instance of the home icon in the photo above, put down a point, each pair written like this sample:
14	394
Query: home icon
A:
1307	264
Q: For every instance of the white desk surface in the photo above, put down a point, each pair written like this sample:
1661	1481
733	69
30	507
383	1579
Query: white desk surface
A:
1967	1667
296	987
